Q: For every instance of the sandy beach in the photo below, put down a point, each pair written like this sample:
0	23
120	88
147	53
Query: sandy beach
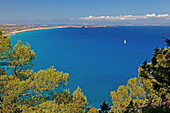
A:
33	29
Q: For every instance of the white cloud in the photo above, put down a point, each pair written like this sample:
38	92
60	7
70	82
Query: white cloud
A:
126	17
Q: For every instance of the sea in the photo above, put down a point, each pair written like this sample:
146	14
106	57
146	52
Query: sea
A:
97	59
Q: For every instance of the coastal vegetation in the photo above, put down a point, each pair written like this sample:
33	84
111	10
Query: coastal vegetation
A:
23	90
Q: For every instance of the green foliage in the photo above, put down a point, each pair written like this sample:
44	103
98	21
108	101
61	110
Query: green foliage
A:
20	58
104	107
78	102
156	79
63	97
129	98
4	50
4	45
156	109
93	110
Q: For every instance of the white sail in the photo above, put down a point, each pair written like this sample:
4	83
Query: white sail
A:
124	41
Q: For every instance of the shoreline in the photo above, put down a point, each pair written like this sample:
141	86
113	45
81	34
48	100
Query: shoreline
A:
12	29
34	29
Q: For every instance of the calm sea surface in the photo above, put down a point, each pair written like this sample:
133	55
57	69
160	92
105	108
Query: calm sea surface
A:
96	58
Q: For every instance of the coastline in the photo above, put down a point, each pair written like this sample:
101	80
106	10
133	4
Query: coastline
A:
34	29
12	29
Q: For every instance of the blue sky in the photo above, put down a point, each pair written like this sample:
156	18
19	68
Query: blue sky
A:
72	11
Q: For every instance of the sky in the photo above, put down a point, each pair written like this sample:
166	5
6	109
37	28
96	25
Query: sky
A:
99	12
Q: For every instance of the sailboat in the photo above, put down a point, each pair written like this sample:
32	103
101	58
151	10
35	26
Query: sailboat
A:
124	41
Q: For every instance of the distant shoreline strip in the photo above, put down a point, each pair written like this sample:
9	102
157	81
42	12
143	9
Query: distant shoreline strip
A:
34	29
40	28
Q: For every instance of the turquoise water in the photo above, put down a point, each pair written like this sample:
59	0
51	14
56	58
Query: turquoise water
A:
96	58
